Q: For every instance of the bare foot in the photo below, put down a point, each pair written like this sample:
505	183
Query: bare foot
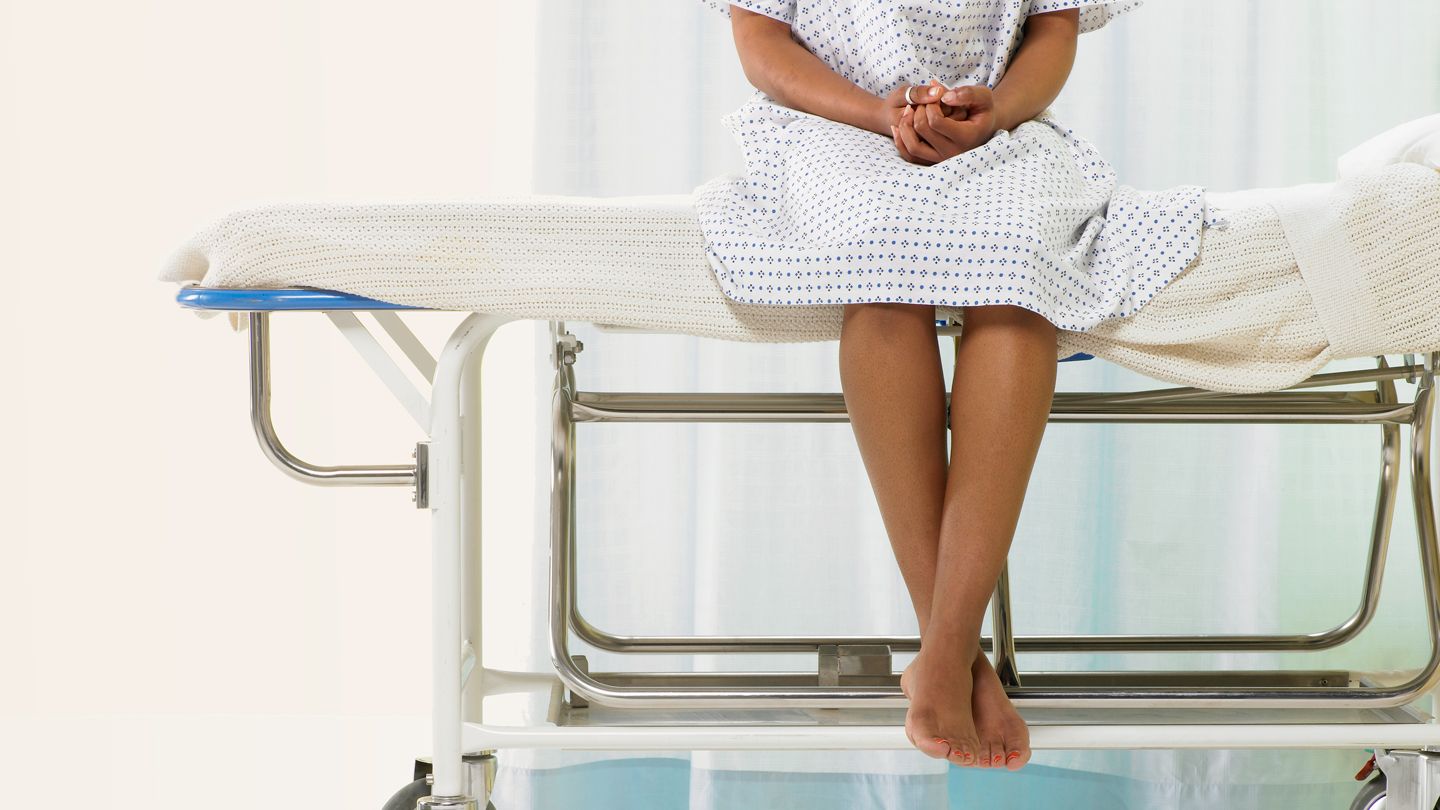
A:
939	722
998	725
999	728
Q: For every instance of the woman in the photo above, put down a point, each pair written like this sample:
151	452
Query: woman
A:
901	156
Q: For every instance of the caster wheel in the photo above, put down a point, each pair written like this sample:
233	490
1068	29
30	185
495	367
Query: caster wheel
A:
1371	797
406	798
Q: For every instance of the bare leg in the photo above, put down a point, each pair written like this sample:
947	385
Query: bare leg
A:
894	391
1004	383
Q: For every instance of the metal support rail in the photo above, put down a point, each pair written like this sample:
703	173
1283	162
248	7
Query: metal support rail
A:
1354	408
1384	396
1149	689
353	475
1173	405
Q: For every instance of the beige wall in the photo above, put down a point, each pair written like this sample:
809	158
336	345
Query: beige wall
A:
176	615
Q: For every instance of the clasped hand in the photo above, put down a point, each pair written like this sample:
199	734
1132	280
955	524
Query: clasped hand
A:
942	123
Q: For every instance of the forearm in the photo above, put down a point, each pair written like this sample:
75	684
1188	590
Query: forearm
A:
781	67
1039	68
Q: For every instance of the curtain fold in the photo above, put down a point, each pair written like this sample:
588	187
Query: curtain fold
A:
1127	529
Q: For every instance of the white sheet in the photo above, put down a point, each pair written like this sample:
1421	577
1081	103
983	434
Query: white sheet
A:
1242	317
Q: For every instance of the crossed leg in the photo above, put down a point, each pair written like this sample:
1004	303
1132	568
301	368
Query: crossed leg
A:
950	524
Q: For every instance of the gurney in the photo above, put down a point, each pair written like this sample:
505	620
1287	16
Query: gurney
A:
1288	281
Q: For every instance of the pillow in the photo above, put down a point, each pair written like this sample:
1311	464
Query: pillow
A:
1415	142
1425	151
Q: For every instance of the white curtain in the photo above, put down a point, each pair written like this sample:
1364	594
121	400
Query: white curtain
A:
1127	529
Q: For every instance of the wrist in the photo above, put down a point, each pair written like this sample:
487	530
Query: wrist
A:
1006	117
879	116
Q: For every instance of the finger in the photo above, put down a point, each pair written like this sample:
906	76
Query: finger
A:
954	113
919	147
925	93
956	131
900	147
957	96
905	152
925	126
970	97
913	142
948	128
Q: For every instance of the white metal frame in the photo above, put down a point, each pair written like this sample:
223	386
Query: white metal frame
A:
449	466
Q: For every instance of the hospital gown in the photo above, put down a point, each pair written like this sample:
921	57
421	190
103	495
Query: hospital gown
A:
829	213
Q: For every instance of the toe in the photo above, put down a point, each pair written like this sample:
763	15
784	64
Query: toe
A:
966	753
918	728
1016	757
1017	750
936	747
998	750
930	746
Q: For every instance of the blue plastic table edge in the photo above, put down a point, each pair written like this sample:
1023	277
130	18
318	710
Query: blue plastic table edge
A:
292	299
302	299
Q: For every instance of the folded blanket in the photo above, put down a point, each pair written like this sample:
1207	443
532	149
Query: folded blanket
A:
1302	276
1295	278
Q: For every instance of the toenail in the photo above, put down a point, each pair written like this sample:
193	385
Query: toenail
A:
1013	755
997	759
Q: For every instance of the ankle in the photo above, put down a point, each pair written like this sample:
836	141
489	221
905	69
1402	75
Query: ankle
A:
958	647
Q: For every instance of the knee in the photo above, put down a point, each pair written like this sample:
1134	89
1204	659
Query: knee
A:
1007	317
890	312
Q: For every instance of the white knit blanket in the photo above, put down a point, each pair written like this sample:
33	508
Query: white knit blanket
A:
1295	278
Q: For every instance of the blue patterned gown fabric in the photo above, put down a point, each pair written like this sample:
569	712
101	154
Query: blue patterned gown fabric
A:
829	213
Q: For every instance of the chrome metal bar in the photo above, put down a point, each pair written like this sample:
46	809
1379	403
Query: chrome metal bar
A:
1366	375
376	475
1427	533
1300	642
783	693
941	330
590	406
1003	631
1385	395
1088	678
1384	516
790	695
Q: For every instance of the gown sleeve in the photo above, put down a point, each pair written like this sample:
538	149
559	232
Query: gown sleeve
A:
1094	14
782	10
